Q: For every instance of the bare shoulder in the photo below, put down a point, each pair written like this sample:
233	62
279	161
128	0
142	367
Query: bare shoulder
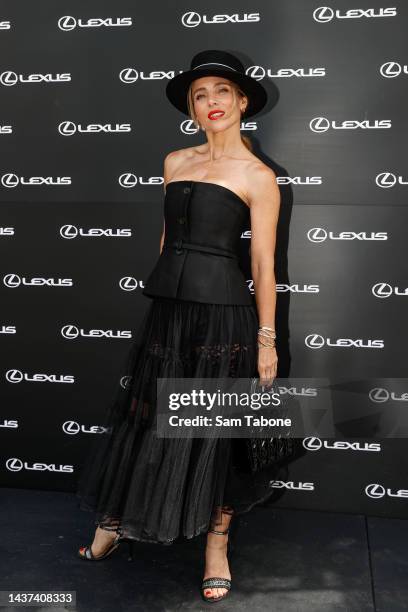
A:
260	172
262	184
175	160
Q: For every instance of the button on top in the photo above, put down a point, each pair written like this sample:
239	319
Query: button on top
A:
181	219
187	189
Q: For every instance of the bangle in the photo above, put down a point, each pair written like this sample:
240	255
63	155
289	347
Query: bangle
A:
265	332
270	344
266	337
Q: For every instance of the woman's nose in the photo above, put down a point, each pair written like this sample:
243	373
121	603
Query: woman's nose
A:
212	100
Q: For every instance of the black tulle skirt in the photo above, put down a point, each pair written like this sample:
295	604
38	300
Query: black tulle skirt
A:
157	489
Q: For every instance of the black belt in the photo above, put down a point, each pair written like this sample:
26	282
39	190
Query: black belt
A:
180	245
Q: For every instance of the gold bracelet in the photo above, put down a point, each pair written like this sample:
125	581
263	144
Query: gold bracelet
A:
266	334
266	344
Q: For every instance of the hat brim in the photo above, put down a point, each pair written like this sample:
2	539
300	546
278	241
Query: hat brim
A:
177	88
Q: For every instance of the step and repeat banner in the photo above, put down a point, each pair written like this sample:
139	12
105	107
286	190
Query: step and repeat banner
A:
84	128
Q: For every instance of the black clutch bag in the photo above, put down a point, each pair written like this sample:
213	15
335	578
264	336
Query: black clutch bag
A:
265	452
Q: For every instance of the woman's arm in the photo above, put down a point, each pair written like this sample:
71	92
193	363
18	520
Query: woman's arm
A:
265	205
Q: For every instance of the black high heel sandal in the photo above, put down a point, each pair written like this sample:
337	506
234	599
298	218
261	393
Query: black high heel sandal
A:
218	581
88	555
130	545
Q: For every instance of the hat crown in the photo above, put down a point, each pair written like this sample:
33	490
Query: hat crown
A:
216	62
216	59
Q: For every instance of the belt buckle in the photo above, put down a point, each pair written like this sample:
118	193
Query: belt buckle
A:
179	249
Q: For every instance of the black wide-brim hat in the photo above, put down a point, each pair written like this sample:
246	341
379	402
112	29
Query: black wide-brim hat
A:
216	63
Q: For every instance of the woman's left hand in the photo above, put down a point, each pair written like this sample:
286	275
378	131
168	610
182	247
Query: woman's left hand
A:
267	364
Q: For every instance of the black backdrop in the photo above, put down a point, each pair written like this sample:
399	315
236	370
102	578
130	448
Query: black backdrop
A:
84	129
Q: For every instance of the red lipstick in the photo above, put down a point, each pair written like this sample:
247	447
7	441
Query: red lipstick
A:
215	114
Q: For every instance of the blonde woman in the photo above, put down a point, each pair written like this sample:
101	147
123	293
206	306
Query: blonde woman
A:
202	322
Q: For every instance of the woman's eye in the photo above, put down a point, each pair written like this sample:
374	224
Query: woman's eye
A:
201	95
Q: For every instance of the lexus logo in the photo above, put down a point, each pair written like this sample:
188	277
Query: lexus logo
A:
317	234
14	464
295	288
324	14
259	72
379	395
125	382
256	72
291	486
11	180
127	180
384	290
312	444
322	124
319	124
385	180
193	19
70	332
128	75
72	428
131	75
68	23
16	376
71	231
129	283
9	78
69	128
315	444
314	341
375	491
188	127
391	70
14	280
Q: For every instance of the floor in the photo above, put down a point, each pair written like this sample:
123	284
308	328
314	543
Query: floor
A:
283	560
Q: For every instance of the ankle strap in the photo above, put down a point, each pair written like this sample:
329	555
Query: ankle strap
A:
117	529
219	532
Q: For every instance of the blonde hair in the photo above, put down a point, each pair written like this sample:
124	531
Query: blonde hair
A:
190	105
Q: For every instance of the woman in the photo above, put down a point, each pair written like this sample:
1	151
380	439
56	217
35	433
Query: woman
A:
202	322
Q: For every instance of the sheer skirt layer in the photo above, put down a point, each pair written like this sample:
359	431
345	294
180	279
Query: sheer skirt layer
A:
156	489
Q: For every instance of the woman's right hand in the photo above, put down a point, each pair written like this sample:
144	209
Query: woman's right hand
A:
267	364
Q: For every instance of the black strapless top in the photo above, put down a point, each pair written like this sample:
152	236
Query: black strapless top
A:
199	259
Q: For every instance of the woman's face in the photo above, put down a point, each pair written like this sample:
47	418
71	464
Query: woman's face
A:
216	103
